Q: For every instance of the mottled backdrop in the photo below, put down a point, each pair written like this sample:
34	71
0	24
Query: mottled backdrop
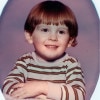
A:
13	43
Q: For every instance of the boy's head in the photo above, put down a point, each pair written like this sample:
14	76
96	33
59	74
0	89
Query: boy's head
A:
52	12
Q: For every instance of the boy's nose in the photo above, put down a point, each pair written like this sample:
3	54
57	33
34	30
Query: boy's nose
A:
53	37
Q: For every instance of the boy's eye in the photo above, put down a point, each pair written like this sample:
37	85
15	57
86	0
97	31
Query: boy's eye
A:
62	32
44	30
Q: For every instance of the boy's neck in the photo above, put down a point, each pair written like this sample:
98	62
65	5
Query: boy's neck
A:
51	60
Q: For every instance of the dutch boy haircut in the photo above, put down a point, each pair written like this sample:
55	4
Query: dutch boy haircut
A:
52	12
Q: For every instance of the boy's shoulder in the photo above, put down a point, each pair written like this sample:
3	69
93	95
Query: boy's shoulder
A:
26	56
71	59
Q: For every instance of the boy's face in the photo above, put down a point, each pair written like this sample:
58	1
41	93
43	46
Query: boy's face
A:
50	41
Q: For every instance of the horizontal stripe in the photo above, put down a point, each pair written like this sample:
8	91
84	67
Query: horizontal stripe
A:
10	88
5	83
47	77
67	73
21	65
79	74
45	67
24	57
76	80
71	60
74	68
44	72
53	81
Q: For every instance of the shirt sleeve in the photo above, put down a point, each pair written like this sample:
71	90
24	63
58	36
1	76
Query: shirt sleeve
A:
17	75
73	89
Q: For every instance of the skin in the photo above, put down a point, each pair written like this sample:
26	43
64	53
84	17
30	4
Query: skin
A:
50	38
29	89
50	43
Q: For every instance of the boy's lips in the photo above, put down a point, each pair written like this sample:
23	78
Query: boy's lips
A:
52	46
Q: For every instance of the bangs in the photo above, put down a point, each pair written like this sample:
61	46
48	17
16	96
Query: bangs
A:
55	19
51	12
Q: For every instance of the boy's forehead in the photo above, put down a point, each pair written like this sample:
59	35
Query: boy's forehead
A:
52	25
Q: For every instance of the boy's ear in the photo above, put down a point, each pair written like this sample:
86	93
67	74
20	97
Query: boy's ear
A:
28	37
70	42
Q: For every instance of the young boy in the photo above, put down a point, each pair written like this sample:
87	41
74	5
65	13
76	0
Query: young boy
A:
48	73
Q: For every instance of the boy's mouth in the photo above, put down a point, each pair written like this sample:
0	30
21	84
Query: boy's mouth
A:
51	46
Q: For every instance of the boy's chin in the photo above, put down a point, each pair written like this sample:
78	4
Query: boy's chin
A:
53	58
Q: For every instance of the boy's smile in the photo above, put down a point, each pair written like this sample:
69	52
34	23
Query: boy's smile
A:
50	41
51	46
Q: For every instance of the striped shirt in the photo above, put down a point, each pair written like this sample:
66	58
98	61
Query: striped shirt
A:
65	77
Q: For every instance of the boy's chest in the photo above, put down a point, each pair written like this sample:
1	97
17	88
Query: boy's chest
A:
55	74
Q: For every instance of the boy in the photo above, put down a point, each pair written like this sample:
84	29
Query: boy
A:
48	73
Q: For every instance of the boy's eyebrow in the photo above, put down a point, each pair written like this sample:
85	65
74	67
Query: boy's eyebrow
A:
63	27
40	26
45	25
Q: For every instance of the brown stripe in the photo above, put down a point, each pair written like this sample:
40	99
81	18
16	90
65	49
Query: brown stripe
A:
61	94
6	84
76	79
76	94
67	93
78	73
82	90
12	74
9	89
47	73
54	81
78	87
19	80
45	67
25	58
74	74
21	65
70	59
69	70
16	78
83	95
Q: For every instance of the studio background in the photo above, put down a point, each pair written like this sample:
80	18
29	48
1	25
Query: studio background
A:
13	43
